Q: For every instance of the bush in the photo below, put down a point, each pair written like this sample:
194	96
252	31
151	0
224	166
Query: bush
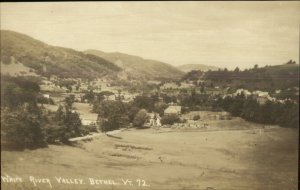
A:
54	133
196	117
114	122
44	100
88	129
112	115
15	91
185	110
69	122
21	129
170	119
140	118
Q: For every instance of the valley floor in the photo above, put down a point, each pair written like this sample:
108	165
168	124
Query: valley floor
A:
223	159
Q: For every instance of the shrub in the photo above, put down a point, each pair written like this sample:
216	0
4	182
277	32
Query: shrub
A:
44	100
112	115
69	122
196	117
88	129
185	110
21	129
54	133
170	119
114	122
140	118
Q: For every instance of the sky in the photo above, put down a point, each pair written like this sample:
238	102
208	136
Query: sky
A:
222	34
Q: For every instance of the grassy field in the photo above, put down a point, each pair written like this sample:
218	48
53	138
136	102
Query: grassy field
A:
225	158
84	111
17	69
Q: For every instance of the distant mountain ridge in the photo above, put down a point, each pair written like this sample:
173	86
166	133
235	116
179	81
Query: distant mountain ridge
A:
189	67
47	60
268	78
138	67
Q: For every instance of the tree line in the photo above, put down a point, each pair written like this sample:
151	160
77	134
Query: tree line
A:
24	124
271	112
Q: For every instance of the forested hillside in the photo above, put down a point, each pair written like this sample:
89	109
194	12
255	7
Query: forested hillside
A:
269	78
49	60
138	67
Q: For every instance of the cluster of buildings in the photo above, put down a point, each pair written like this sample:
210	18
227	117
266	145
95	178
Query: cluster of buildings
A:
173	85
261	96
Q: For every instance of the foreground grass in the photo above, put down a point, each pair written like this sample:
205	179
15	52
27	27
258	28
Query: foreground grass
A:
166	159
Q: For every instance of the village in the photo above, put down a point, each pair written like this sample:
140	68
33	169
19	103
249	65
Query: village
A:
170	139
77	88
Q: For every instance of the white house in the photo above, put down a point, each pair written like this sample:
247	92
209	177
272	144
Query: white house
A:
154	119
46	96
244	91
261	93
87	122
110	97
170	85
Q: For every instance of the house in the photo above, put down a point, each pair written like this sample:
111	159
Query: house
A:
173	110
184	85
170	85
154	120
262	97
260	93
242	91
88	122
111	97
46	96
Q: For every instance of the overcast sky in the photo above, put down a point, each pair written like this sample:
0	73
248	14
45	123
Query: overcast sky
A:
223	34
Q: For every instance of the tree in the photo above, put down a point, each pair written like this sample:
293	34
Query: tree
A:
119	94
21	129
170	119
70	100
132	110
291	62
250	109
236	69
202	88
160	108
69	88
196	117
72	125
144	102
89	96
111	115
141	118
15	91
78	85
69	124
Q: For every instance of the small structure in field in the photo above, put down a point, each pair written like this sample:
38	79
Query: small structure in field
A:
173	110
88	122
46	96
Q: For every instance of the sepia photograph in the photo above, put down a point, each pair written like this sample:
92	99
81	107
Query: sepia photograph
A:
141	95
